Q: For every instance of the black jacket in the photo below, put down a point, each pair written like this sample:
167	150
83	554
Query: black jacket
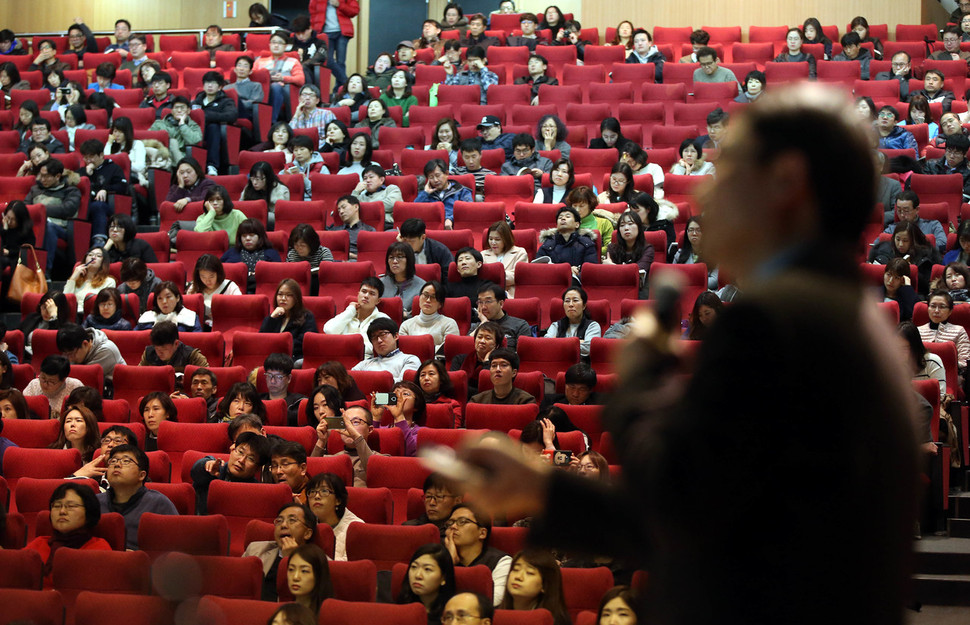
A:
109	177
222	110
272	325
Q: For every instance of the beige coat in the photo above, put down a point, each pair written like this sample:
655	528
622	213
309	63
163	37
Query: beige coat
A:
509	260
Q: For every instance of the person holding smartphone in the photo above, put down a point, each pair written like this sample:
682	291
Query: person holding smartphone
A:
357	425
475	72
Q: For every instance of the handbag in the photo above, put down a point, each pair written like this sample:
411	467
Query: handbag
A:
28	275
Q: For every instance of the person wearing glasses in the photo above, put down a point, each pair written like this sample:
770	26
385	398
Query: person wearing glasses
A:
127	471
115	436
902	71
891	136
293	527
387	356
951	47
939	329
709	71
440	500
466	538
246	459
469	608
278	369
327	497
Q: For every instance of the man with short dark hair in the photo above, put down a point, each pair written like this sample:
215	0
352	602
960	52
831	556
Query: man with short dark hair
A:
902	72
358	425
698	39
167	349
475	35
348	211
218	109
717	124
526	160
644	51
907	209
709	71
490	303
127	472
53	382
89	347
503	367
204	384
438	188
107	179
112	437
426	251
359	314
468	262
10	45
567	243
59	194
80	41
891	136
490	130
933	91
247	455
177	122
40	134
248	92
138	54
952	36
439	500
159	98
312	49
471	154
295	525
287	465
537	76
852	50
467	531
212	43
475	74
528	22
122	34
387	356
430	37
954	161
371	188
580	382
278	370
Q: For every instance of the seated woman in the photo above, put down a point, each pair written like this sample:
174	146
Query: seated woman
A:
753	87
52	311
923	364
919	113
794	54
304	245
137	278
430	320
107	313
154	408
446	137
534	582
377	117
562	177
577	321
241	398
408	413
263	184
398	93
861	26
89	277
551	135
960	253
812	31
896	287
252	245
937	330
358	155
488	336
656	215
17	230
73	93
336	138
168	307
122	243
308	578
691	161
36	157
10	79
327	496
121	138
618	605
218	214
430	580
379	74
75	119
209	278
399	277
26	114
78	430
689	251
707	307
909	243
584	201
621	189
353	95
291	316
283	71
74	512
277	140
53	80
437	388
956	280
189	184
631	248
501	248
610	136
334	374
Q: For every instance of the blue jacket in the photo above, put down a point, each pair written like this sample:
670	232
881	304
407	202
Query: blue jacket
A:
899	139
454	192
503	141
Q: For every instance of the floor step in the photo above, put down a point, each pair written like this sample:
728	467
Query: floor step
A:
960	504
942	589
959	528
936	555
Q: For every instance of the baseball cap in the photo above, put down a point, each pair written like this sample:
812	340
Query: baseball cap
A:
407	44
488	121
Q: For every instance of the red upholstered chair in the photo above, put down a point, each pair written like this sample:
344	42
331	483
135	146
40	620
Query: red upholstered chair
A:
192	245
432	213
24	462
373	505
269	275
613	282
178	438
347	349
340	466
110	527
216	609
485	417
338	612
232	577
594	162
397	474
544	281
21	568
540	616
548	355
127	572
89	608
134	382
250	348
31	433
234	313
385	545
583	588
44	607
180	494
447	437
240	502
197	535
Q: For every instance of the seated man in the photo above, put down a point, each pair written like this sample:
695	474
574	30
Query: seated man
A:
426	251
491	300
278	369
464	606
487	336
891	136
306	161
59	194
450	53
287	465
387	356
107	179
295	525
580	382
10	45
439	189
537	76
490	130
644	51
430	37
528	22
952	36
247	455
212	43
249	92
467	531
308	113
53	382
104	77
167	349
359	315
312	49
717	123
954	161
182	130
348	210
475	74
475	35
468	262
204	384
80	41
471	154
852	50
404	55
907	209
709	71
526	160
358	425
933	89
439	501
371	188
114	436
122	34
698	39
218	109
127	471
159	98
503	366
568	243
89	347
40	134
902	72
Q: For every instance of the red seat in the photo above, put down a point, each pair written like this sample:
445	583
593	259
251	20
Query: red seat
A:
946	188
548	355
432	213
397	474
484	416
342	280
21	462
509	190
594	162
131	344
583	588
134	382
183	575
197	535
385	545
845	72
211	344
428	115
31	433
507	95
786	72
457	95
604	55
684	189
539	616
89	608
240	502
397	140
613	282
526	308
21	568
755	52
232	313
634	73
372	246
560	96
192	245
43	607
269	275
178	438
373	505
110	527
180	494
536	217
544	281
216	609
347	349
127	572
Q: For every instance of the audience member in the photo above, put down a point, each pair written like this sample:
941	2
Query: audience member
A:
490	303
371	188
471	154
359	315
382	334
852	50
430	580
53	382
440	500
127	473
644	51
204	384
308	577
437	388
537	66
567	243
294	526
89	347
168	306
490	130
247	455
503	366
327	497
348	211
358	424
249	92
290	315
466	538
413	231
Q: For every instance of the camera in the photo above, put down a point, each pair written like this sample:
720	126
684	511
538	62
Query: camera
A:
385	399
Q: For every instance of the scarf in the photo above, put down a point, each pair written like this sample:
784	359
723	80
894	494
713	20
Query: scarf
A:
72	540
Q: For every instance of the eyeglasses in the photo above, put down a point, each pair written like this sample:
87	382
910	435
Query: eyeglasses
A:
275	377
65	505
900	64
120	462
382	335
886	115
281	465
119	440
460	522
938	307
693	231
115	228
290	520
458	617
436	498
486	302
427	296
708	63
397	257
319	492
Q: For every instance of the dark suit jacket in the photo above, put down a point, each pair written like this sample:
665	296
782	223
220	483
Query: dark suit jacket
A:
903	83
803	458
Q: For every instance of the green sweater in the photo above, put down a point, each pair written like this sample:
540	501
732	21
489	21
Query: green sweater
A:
404	103
208	222
592	222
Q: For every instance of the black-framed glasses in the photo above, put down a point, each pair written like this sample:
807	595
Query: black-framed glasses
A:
460	522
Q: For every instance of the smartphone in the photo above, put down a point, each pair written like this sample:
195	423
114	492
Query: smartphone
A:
562	457
334	423
381	399
64	90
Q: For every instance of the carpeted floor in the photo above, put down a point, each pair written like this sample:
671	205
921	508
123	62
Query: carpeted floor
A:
939	615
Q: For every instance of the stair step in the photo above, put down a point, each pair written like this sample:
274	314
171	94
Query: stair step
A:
959	528
942	556
942	589
960	505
